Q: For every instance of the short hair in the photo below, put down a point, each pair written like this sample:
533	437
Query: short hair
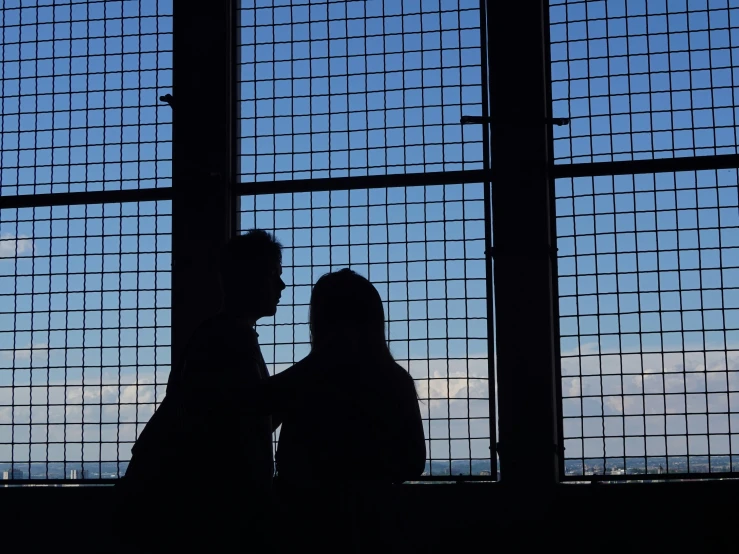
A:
256	246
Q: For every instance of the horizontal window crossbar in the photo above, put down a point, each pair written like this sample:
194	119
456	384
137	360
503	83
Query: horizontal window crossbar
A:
362	182
631	167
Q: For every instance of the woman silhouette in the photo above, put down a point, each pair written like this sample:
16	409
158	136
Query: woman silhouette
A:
349	412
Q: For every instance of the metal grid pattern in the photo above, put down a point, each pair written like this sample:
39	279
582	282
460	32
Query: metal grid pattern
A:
423	248
649	322
643	79
84	335
339	88
79	83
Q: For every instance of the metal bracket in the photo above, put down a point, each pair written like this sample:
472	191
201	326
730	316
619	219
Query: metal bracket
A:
472	119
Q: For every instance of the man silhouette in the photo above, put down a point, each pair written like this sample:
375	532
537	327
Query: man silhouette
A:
201	471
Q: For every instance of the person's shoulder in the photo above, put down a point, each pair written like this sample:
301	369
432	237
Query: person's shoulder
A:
399	371
382	374
402	376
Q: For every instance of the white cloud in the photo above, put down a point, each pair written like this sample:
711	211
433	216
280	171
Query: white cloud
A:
111	394
620	385
11	246
30	355
441	378
634	391
110	413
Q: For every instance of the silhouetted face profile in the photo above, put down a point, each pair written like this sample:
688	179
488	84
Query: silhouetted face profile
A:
346	307
267	288
251	273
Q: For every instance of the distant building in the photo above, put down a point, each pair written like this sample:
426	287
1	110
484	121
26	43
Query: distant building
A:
11	474
79	474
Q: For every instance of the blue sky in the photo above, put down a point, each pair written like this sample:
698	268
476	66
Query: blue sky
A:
648	277
642	79
81	83
415	251
81	112
665	245
649	305
320	99
639	237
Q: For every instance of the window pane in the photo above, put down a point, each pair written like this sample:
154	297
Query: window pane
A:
649	322
643	80
423	248
80	88
330	89
84	334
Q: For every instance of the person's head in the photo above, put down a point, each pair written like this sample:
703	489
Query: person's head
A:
251	269
345	306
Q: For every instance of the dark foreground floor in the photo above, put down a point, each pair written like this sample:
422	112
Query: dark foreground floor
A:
663	517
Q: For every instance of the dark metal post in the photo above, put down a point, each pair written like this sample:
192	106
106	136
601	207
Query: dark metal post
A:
489	289
202	102
523	250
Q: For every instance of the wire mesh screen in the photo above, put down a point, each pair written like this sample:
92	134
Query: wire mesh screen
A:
79	85
423	248
338	88
649	320
84	335
643	79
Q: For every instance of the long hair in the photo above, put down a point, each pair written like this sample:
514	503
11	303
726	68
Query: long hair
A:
346	311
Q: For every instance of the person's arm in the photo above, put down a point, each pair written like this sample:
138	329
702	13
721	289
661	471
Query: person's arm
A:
205	393
276	394
220	379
